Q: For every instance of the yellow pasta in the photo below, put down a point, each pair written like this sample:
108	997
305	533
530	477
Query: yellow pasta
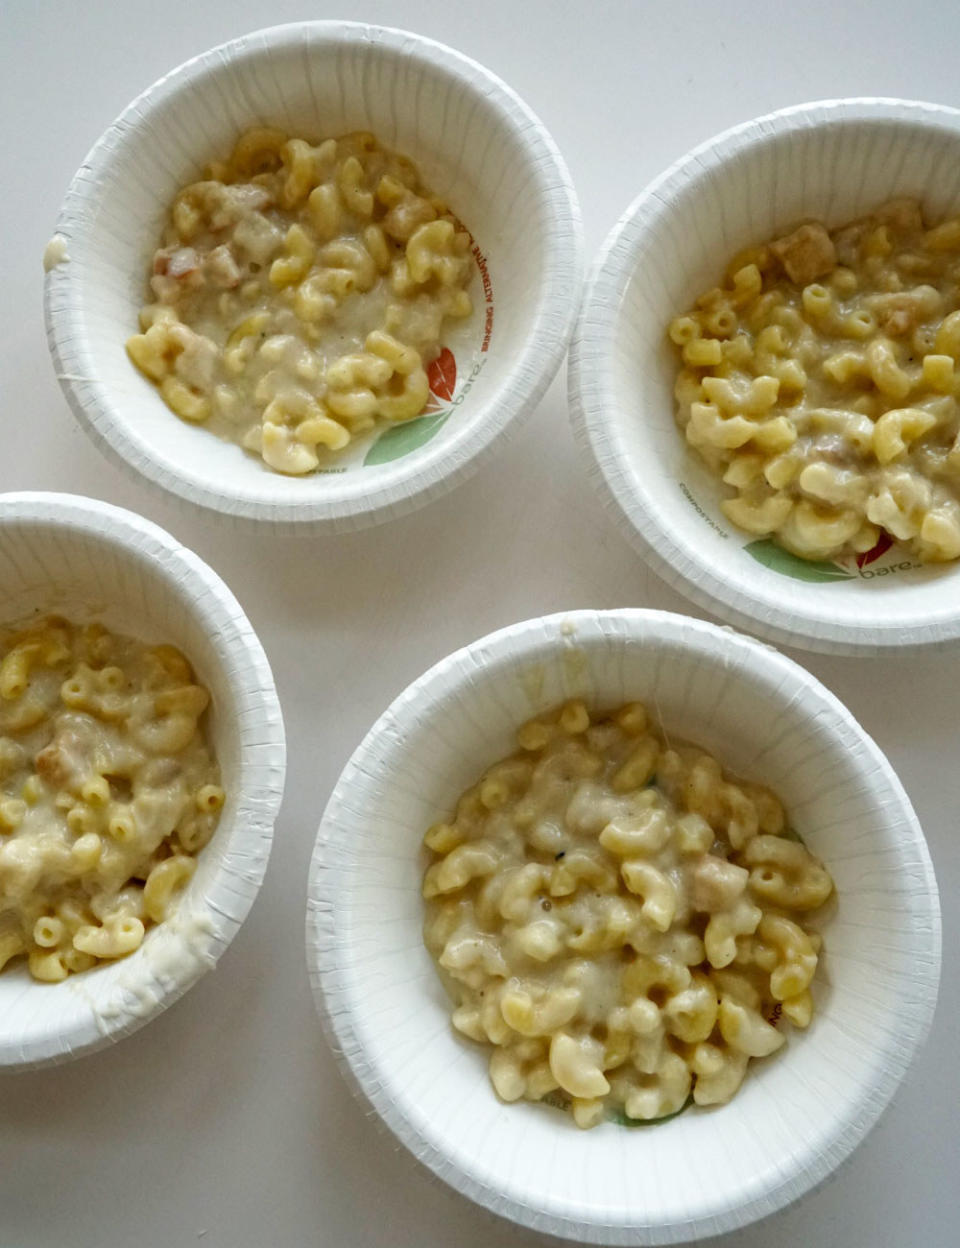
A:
620	922
820	386
104	797
273	275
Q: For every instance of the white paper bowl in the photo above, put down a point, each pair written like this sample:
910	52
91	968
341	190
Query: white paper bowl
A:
86	559
476	143
797	1115
833	160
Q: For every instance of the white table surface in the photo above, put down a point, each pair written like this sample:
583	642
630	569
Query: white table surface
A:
225	1121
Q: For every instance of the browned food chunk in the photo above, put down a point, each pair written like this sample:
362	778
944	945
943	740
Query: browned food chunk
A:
65	762
901	312
902	214
806	254
222	268
898	321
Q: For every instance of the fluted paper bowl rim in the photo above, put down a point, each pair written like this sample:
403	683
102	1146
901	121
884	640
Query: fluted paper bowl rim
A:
339	969
732	593
103	1012
393	489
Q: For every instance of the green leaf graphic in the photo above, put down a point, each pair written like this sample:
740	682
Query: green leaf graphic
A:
779	560
557	1100
400	440
620	1117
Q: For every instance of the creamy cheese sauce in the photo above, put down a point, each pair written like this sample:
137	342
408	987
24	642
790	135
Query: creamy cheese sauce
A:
620	919
108	789
299	294
821	383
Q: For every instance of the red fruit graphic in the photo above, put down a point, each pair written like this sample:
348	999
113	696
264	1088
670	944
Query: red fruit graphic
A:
442	374
883	545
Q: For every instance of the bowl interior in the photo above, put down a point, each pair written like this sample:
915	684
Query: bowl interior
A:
49	566
798	1114
474	145
823	162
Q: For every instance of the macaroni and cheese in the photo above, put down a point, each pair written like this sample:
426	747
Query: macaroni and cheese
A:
107	792
298	295
619	919
822	382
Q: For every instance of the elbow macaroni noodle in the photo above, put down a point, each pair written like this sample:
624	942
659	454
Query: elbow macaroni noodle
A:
620	920
107	792
821	383
300	292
